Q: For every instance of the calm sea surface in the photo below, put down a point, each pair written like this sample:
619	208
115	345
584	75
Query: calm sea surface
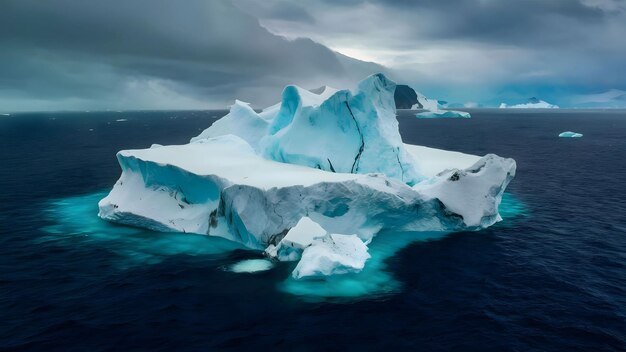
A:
550	278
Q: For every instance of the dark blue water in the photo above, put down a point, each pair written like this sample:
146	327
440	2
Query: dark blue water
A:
551	279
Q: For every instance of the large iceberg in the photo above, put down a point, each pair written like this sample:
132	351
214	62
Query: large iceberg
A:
304	174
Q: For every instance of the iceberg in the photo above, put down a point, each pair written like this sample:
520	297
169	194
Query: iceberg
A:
296	240
332	254
570	134
426	103
306	179
432	106
443	114
533	103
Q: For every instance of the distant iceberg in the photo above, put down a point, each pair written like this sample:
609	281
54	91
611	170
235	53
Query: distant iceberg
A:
314	178
533	103
570	134
407	97
443	114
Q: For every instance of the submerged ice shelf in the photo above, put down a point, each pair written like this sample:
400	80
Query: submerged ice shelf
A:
335	158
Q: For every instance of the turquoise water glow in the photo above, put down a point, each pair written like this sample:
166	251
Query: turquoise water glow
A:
76	223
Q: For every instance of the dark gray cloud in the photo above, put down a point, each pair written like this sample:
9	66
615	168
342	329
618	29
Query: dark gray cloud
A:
196	53
78	51
283	10
477	49
520	22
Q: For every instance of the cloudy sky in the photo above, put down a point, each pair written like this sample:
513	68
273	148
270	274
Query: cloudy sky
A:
166	54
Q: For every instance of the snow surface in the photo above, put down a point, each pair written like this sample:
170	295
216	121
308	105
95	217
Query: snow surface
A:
570	134
323	163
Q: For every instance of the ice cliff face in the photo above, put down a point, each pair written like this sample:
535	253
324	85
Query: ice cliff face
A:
308	178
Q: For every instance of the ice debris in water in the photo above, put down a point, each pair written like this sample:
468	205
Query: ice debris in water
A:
251	266
570	134
332	254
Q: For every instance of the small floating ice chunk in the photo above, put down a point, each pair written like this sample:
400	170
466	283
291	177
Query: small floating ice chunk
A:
570	134
443	114
331	255
251	266
5	114
294	242
121	120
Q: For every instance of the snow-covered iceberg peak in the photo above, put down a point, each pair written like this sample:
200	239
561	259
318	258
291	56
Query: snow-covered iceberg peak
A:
354	133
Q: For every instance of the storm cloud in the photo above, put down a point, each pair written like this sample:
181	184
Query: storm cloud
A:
152	54
478	50
160	54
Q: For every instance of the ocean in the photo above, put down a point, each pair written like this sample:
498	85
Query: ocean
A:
550	277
